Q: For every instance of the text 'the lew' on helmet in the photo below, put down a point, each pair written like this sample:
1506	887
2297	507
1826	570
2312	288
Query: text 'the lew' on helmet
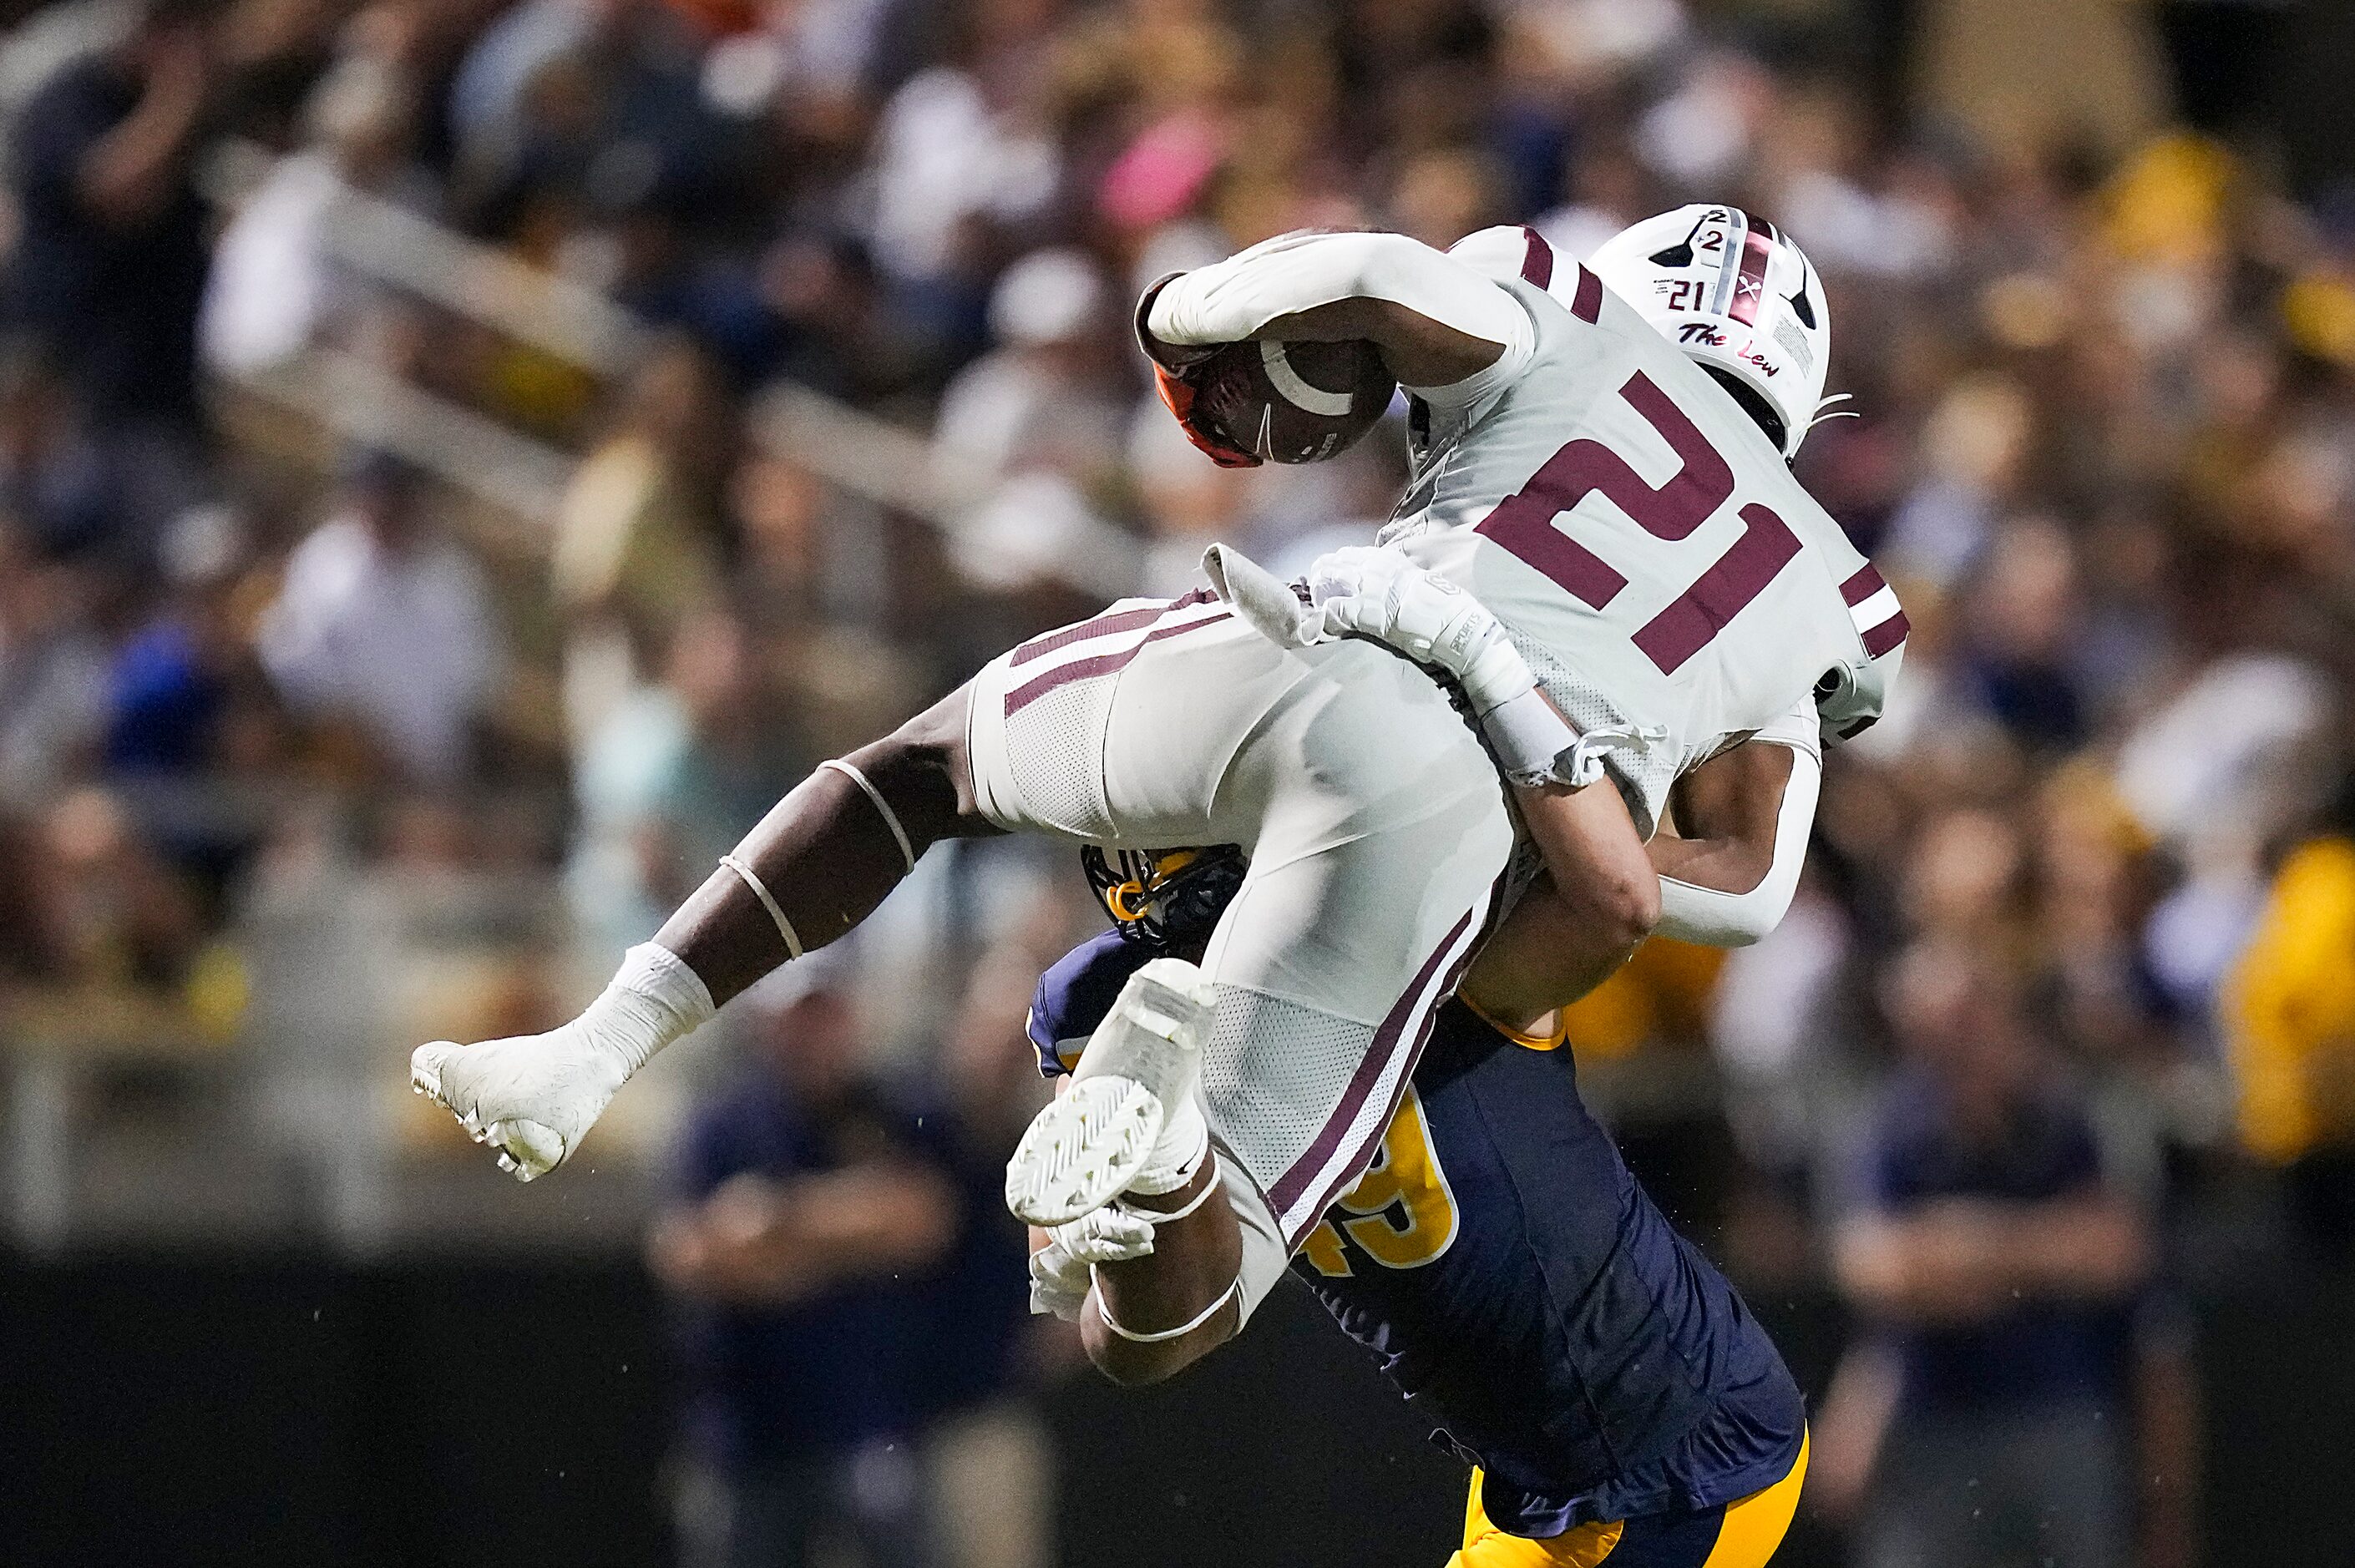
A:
1737	296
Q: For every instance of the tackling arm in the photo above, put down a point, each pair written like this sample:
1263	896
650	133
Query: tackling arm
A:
1744	818
1438	323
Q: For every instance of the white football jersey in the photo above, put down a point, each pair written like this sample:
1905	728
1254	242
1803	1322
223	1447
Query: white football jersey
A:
1640	537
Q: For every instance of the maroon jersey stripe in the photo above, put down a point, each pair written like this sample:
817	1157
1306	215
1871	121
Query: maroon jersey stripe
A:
1887	635
1102	626
1862	587
1537	257
1356	1168
1038	686
1587	304
1294	1182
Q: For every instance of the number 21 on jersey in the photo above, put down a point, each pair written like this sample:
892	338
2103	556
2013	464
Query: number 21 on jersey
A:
1523	524
1400	1212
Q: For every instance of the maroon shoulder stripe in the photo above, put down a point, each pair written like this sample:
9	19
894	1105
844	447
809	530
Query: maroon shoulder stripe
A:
1862	587
1537	257
1587	303
1038	686
1886	635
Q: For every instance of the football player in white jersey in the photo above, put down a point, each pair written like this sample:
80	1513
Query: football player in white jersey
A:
1379	839
1746	306
1743	303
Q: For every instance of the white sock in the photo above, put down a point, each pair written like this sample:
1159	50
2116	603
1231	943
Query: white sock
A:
1177	1153
653	1000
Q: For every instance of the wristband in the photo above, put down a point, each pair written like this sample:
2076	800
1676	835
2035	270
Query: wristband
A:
1536	747
1528	736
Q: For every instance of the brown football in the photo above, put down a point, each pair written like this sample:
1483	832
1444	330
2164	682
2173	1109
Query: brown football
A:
1293	402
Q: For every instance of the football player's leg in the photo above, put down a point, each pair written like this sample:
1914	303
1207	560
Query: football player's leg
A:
1043	719
1377	831
822	859
1487	1546
1380	864
1744	1533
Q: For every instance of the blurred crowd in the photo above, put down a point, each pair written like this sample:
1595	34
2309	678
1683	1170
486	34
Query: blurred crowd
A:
318	736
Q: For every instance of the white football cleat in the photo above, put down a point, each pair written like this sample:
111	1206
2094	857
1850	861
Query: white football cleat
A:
532	1097
1128	1123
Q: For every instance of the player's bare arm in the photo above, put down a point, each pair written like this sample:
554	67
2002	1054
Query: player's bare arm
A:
1722	833
1723	878
1435	322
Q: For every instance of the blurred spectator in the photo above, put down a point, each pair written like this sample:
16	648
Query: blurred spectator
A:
635	553
2017	1399
813	1210
111	915
275	288
109	263
678	773
56	484
52	678
2289	1026
1047	395
992	1456
383	623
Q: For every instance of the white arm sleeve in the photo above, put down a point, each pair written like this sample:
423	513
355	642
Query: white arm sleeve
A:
1715	920
1230	300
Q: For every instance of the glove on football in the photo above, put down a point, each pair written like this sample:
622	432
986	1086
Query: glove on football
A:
1175	379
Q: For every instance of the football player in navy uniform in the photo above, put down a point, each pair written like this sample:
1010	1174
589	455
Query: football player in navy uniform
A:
1616	1400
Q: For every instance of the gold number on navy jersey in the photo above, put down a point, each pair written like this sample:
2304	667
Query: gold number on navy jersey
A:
1400	1213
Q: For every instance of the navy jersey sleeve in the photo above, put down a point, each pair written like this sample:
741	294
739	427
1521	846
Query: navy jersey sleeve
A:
1075	993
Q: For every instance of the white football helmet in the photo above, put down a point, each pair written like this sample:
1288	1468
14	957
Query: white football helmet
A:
1737	296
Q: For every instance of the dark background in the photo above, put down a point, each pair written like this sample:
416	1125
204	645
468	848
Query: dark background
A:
261	1411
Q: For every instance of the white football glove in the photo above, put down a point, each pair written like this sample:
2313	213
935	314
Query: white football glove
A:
1060	1271
1376	592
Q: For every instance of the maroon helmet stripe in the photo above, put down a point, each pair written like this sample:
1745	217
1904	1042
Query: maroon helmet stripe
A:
1862	587
1751	286
1587	306
1038	686
1536	259
1886	635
